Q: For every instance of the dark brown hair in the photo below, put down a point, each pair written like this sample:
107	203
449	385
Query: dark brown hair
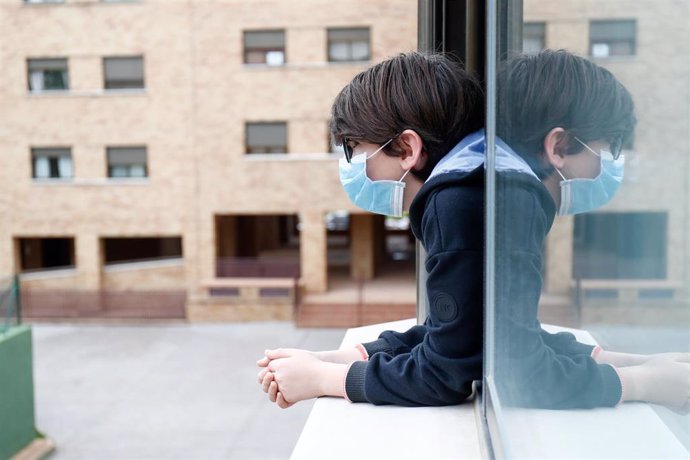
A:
430	94
558	89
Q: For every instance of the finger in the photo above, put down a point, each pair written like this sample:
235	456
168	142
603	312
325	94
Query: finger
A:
278	353
273	391
268	378
262	373
263	362
282	402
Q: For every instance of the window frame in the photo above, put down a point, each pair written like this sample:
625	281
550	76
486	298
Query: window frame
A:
113	149
265	50
248	149
52	153
43	69
107	86
632	40
329	40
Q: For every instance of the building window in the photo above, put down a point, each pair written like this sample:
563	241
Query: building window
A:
37	254
348	45
264	47
533	37
627	245
124	72
128	162
51	163
612	38
48	75
140	249
266	137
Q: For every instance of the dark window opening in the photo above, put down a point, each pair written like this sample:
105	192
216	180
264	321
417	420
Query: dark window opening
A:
120	250
620	245
46	253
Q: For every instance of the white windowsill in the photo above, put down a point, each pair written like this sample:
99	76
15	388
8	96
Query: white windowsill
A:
95	181
48	274
143	265
306	65
134	92
338	429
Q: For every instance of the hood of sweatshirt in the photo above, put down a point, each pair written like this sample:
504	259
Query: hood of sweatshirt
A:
465	163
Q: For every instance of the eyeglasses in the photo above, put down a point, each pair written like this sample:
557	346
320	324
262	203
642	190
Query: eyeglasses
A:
616	146
347	148
350	151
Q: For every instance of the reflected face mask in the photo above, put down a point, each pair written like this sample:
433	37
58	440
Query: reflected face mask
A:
381	196
583	195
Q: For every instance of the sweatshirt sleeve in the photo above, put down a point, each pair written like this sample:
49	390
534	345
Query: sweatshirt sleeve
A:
533	368
440	368
395	343
565	343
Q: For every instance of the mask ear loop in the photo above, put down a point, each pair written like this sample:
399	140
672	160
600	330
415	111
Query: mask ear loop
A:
380	148
560	174
403	176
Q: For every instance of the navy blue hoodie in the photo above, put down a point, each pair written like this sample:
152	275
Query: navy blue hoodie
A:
436	363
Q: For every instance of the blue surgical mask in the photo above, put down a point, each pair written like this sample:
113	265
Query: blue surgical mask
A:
584	195
380	196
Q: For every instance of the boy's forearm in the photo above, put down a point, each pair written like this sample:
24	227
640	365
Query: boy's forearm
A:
333	379
620	359
343	356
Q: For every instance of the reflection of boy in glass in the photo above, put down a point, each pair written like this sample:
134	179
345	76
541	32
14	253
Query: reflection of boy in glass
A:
565	119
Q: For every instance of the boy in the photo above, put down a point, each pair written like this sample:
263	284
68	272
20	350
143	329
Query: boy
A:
411	129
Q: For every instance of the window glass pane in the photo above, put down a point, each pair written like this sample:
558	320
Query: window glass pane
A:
264	47
124	72
533	37
47	74
348	44
127	161
339	51
591	237
266	137
612	38
51	163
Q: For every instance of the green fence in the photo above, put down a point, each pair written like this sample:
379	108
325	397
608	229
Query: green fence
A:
10	303
17	423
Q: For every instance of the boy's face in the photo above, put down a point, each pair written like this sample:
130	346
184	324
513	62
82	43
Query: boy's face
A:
380	166
585	164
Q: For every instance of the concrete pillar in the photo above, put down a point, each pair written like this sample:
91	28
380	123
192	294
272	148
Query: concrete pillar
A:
559	256
362	246
226	236
313	256
88	261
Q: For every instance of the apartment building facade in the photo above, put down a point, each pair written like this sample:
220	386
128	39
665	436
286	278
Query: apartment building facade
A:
151	146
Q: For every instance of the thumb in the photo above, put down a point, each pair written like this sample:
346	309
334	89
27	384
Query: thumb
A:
278	353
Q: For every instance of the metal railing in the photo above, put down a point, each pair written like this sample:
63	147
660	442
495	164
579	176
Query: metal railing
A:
10	303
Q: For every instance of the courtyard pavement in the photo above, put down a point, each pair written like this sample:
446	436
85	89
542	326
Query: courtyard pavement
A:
169	391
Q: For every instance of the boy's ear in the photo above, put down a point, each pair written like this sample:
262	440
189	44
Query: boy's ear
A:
555	143
413	155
